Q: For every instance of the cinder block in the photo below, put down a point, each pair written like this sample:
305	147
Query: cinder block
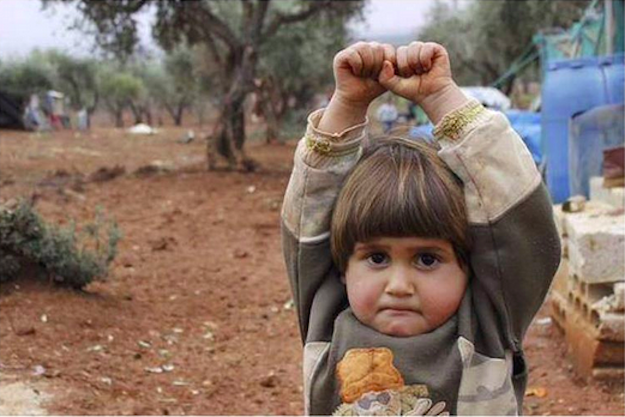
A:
595	346
596	243
558	218
613	196
619	296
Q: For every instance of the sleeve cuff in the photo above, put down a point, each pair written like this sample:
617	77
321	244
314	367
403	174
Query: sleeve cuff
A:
459	122
333	144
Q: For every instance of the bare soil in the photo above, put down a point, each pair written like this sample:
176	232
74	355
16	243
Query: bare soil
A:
195	317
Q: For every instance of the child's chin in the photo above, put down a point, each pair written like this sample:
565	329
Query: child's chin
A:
402	330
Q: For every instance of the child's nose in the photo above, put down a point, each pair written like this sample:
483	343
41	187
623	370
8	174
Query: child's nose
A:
399	283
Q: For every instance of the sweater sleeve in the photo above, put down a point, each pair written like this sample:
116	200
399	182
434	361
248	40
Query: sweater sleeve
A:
321	163
515	246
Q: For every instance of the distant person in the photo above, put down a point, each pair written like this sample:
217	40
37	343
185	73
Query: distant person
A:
412	112
416	268
387	114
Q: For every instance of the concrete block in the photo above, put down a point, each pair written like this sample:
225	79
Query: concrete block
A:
614	196
596	243
619	296
558	218
597	351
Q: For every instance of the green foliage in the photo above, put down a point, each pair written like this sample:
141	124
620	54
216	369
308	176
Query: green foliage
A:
485	37
22	78
67	259
76	77
298	57
120	87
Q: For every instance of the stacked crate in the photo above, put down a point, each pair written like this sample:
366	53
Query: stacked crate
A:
589	289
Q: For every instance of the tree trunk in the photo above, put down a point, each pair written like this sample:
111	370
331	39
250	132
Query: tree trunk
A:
119	118
229	135
147	112
136	111
178	115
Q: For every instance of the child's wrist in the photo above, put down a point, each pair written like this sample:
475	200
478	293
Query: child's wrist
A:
443	102
342	114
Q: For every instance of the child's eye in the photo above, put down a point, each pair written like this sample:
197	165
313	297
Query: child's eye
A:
378	259
427	261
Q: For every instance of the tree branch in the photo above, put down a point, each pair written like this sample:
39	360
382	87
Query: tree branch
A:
314	7
213	24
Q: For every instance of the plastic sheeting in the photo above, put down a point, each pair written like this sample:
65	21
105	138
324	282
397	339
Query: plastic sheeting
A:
572	87
488	96
590	133
527	125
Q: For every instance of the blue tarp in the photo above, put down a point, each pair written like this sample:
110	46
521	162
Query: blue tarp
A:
526	124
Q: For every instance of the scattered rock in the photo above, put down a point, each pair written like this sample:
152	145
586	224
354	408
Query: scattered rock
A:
240	253
25	331
270	381
188	137
61	178
154	167
39	370
106	174
163	243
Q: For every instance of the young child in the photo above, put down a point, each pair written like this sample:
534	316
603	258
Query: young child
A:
416	268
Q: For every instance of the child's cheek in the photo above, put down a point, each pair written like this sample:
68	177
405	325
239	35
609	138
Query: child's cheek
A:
363	297
441	302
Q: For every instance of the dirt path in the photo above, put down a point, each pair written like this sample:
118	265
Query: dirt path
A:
195	318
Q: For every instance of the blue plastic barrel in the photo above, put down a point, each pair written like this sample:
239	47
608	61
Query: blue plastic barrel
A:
571	87
590	133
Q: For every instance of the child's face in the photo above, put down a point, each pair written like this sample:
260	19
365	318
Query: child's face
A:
404	286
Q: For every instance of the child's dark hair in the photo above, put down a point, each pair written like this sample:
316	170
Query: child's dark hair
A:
399	188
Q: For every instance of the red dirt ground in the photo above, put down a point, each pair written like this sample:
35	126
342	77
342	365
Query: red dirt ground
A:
199	284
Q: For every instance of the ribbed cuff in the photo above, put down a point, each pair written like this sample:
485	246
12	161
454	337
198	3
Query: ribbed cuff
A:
333	144
460	121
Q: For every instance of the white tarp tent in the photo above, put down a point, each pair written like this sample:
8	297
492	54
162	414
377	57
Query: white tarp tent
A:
489	96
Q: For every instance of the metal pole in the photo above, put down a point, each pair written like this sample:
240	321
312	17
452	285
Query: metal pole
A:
609	27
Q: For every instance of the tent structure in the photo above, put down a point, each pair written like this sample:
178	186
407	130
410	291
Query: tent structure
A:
11	111
488	96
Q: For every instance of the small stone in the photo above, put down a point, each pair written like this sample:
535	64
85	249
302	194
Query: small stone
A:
25	331
270	381
39	370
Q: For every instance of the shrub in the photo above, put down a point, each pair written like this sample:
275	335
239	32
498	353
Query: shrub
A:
64	256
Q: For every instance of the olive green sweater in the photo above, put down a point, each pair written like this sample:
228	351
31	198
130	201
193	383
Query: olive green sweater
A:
473	363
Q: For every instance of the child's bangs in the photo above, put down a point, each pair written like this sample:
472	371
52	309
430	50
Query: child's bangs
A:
399	191
406	202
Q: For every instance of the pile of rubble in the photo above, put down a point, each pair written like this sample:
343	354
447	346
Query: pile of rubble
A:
589	289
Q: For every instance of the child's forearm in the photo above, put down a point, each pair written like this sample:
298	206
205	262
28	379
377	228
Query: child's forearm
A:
341	115
448	99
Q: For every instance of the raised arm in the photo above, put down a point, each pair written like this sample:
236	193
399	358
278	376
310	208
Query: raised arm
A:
323	158
515	243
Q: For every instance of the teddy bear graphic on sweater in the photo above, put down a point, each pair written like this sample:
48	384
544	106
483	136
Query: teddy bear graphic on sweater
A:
372	386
